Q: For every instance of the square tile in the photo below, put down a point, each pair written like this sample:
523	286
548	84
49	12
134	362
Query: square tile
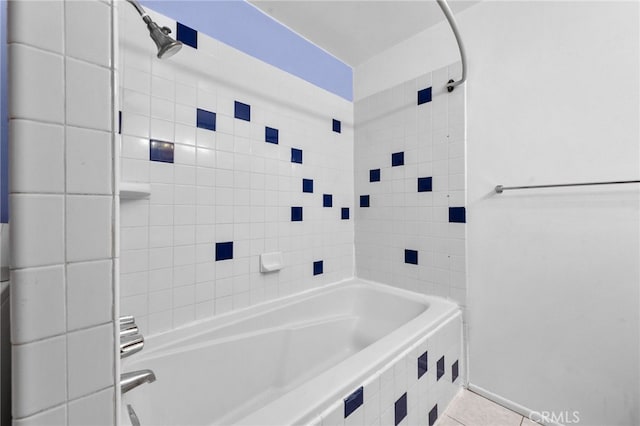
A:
271	135
296	155
374	175
88	95
53	417
89	227
88	31
318	267
454	371
411	256
205	119
440	368
425	184
307	185
89	294
337	126
242	111
296	214
353	401
397	159
424	96
36	157
37	221
39	375
344	211
433	415
48	17
457	215
422	364
327	200
90	360
400	408
88	161
364	201
161	151
95	410
37	303
186	35
224	251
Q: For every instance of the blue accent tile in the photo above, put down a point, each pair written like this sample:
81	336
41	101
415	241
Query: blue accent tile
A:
422	364
296	155
425	184
205	119
454	371
307	185
345	213
119	122
271	135
327	200
440	368
296	214
397	159
337	126
411	256
401	408
353	401
457	215
374	175
161	151
186	35
224	251
424	96
317	267
364	201
433	415
242	111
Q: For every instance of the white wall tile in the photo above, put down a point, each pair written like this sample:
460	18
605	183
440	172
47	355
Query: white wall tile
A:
38	222
89	294
39	375
89	161
37	162
37	303
47	17
53	417
88	95
90	360
36	95
93	410
87	31
88	227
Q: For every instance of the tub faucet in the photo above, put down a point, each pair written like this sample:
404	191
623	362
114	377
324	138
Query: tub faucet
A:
134	379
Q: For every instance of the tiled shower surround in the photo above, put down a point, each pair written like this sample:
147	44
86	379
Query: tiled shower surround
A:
242	159
410	186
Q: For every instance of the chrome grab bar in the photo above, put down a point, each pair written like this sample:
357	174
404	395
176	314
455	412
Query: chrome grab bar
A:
499	189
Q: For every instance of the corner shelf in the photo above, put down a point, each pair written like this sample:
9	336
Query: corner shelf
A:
134	190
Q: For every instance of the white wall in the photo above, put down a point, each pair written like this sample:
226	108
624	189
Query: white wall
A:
63	257
228	184
552	274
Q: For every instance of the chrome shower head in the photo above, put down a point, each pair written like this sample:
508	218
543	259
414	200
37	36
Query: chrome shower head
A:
167	46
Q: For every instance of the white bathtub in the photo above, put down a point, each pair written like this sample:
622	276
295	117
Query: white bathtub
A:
281	362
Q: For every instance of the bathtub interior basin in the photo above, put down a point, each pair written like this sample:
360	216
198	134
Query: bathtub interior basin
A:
223	370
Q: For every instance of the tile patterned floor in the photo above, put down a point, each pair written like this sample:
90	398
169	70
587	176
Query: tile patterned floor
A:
470	409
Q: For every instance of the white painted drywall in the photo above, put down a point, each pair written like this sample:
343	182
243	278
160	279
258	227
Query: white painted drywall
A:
552	274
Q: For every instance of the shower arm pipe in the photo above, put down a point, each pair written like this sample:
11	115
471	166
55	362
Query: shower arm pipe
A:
141	11
463	56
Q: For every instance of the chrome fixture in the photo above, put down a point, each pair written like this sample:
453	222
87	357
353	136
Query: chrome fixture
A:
131	341
167	46
500	189
451	84
133	416
134	379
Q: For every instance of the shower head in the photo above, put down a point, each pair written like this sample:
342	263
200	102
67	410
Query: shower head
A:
167	46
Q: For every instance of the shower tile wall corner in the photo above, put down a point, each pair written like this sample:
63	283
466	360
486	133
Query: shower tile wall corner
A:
415	145
232	177
62	204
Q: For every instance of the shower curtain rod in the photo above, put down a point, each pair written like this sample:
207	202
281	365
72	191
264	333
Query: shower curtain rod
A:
451	84
500	189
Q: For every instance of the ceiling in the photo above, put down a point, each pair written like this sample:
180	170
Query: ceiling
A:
354	31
